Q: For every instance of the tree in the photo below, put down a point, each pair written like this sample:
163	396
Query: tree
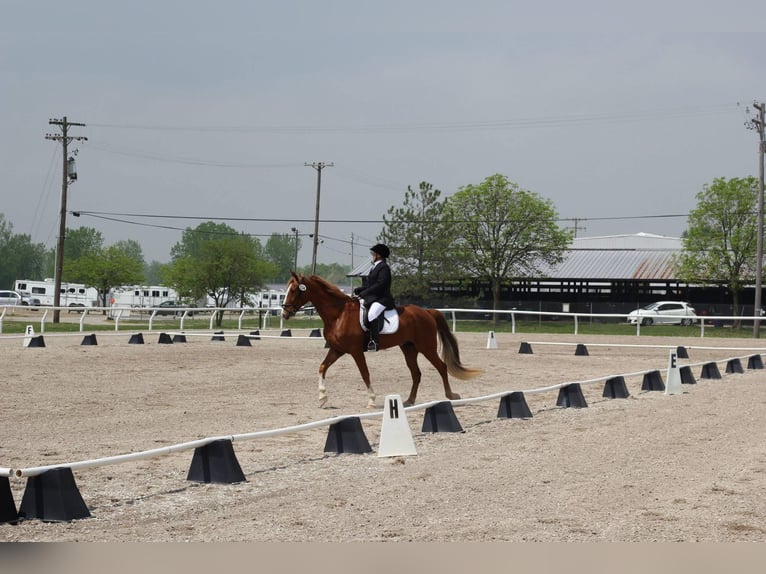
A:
502	231
132	249
108	268
82	241
21	259
281	250
720	242
215	260
419	240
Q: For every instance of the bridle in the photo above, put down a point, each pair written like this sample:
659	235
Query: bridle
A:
289	308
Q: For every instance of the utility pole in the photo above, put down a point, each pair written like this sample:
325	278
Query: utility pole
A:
67	172
295	260
757	124
318	166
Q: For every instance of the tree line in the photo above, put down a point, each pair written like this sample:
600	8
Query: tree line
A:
493	231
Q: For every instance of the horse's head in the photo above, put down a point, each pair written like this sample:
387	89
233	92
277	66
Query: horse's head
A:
296	297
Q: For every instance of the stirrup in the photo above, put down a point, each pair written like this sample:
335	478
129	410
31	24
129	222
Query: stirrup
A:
372	346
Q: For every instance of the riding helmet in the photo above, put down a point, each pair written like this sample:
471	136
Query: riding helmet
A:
381	250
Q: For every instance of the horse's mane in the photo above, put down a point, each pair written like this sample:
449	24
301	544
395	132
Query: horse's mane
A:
331	290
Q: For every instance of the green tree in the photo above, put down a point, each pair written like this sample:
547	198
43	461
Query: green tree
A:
419	241
108	268
215	260
132	249
720	242
281	250
502	231
19	257
82	241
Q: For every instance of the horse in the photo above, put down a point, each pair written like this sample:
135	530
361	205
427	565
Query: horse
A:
419	331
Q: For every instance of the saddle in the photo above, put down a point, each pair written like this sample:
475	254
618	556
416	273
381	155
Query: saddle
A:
390	320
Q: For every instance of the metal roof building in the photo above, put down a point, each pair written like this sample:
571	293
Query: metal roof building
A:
639	256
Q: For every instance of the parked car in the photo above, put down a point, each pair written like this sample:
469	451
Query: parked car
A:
10	298
27	299
175	308
664	312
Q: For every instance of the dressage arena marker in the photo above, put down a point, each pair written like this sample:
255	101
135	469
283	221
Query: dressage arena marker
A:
52	495
30	332
395	433
673	386
734	366
491	341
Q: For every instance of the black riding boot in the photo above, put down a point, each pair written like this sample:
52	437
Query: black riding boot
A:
374	333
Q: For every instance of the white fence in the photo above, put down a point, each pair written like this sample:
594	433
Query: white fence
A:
118	314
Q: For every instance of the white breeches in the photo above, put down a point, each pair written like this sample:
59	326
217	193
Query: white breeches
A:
375	310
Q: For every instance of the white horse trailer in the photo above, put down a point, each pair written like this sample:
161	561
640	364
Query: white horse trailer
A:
71	294
128	297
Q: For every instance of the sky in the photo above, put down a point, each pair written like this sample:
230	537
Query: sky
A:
618	113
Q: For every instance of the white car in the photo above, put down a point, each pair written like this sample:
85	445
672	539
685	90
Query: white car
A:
664	312
10	298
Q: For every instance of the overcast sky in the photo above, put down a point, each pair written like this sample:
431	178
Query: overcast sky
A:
617	112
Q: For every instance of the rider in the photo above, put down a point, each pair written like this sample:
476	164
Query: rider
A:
376	293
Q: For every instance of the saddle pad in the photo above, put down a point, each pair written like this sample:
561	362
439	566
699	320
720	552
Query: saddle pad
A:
390	323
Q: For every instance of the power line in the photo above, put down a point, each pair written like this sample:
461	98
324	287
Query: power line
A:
574	120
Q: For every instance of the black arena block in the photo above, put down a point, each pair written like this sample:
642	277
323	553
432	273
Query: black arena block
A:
218	336
243	341
755	362
687	377
615	388
215	463
136	339
315	333
53	497
653	382
734	366
441	418
89	340
8	511
681	353
571	396
179	338
581	350
165	339
525	349
286	333
514	406
347	435
37	341
255	335
710	371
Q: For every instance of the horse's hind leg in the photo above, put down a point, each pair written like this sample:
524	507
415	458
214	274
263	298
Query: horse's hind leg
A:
436	361
411	357
332	356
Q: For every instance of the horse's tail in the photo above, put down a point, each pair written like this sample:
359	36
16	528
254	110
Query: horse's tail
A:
450	351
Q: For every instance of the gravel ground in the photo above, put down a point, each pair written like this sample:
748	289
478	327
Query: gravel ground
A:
649	468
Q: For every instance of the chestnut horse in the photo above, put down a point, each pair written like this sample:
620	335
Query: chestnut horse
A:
417	333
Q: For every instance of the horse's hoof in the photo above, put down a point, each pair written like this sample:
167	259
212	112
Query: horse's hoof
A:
371	405
322	401
455	397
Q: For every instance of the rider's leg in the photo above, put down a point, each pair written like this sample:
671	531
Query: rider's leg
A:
373	325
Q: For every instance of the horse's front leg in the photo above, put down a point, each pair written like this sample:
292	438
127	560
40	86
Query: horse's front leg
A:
332	356
361	364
